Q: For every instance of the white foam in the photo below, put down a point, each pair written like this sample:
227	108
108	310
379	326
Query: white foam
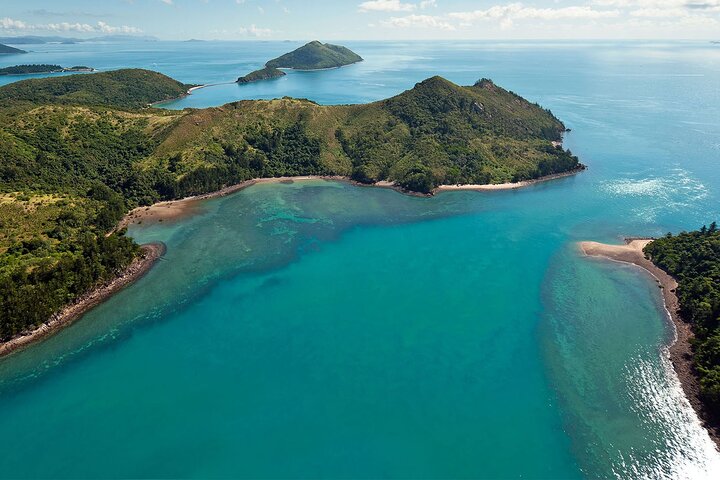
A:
688	451
670	193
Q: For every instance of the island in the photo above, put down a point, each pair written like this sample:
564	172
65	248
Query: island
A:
4	49
42	68
311	56
263	74
316	56
687	269
81	151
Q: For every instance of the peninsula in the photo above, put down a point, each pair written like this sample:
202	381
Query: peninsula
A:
80	151
311	56
7	49
42	68
687	269
266	73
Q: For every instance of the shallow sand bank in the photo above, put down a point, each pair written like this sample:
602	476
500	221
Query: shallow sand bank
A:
680	351
176	209
139	267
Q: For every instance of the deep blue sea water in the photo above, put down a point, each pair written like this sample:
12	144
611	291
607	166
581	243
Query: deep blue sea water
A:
317	329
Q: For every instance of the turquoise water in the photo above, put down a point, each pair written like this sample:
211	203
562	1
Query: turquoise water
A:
318	329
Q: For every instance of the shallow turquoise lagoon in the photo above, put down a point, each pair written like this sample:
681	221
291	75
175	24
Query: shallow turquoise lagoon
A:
317	329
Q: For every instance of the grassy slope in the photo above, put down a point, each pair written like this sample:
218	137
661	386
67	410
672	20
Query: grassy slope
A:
129	88
315	55
438	130
76	152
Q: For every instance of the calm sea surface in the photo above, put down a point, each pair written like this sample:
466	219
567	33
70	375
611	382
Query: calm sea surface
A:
318	329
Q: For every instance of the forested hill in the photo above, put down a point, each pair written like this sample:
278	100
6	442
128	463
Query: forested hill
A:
694	260
266	73
435	133
78	151
128	88
7	49
436	104
314	56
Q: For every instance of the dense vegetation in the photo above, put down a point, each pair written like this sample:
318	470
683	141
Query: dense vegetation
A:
131	88
314	56
694	260
28	69
8	49
262	74
77	152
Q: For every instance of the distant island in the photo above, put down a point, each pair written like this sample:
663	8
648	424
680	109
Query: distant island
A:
80	151
7	49
42	68
40	40
316	56
311	56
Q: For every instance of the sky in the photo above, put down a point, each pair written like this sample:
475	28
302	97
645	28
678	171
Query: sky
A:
365	19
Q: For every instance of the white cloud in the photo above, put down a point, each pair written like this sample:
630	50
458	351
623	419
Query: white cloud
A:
69	27
428	3
100	27
506	15
386	6
254	31
659	12
12	24
516	11
167	2
418	21
690	5
105	28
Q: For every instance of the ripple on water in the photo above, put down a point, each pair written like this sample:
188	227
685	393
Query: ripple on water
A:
661	403
677	191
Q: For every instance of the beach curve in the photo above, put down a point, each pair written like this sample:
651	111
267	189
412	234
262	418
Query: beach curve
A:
680	350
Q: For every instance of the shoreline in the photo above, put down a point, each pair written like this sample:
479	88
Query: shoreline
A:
510	185
160	103
318	69
72	312
175	209
680	350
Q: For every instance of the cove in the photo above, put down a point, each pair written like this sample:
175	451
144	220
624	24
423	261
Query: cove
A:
327	329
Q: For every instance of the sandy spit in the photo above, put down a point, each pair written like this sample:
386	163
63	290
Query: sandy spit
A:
680	351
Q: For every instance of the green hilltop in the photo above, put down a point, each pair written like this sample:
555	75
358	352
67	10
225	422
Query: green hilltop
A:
266	73
311	56
79	151
130	88
315	56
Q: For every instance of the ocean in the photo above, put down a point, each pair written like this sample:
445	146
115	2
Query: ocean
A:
319	329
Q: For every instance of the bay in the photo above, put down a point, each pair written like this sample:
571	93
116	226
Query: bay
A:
321	329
